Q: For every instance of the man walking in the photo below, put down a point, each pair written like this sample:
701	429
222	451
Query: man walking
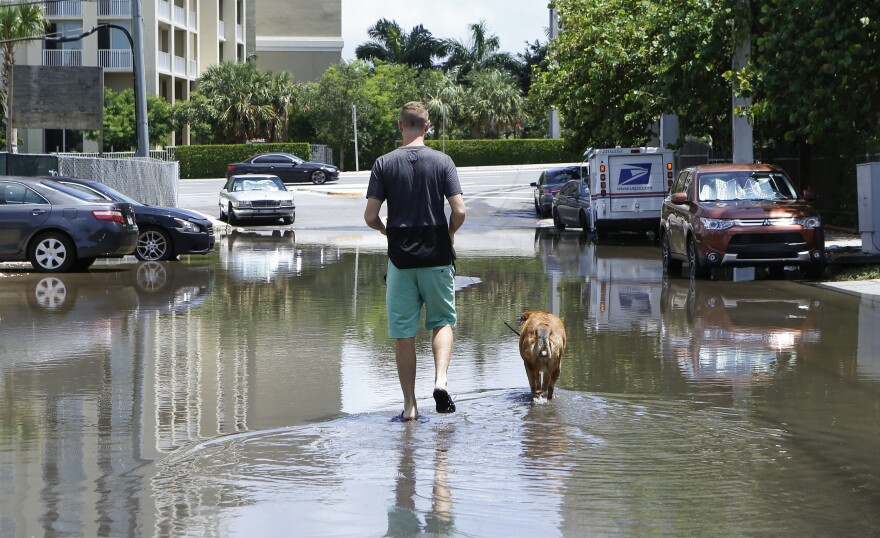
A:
415	180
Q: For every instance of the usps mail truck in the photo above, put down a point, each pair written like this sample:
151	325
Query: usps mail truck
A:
627	187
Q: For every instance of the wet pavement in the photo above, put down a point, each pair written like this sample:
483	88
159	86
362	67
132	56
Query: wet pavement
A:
252	391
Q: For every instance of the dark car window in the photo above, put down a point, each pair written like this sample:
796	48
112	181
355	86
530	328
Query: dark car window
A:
16	193
264	159
562	175
82	195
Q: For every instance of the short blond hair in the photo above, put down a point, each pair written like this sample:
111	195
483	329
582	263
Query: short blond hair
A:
414	115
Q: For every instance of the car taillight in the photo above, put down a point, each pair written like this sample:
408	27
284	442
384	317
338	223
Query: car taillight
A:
109	214
229	168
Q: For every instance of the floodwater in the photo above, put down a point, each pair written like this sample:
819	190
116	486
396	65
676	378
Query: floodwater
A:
251	393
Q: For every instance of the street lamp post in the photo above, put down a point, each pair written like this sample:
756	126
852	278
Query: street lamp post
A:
140	97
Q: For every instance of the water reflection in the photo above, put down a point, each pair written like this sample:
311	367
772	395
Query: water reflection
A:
252	390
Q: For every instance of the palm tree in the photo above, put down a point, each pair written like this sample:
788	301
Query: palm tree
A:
493	105
389	43
480	51
17	22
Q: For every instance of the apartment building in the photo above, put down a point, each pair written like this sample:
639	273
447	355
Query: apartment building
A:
182	38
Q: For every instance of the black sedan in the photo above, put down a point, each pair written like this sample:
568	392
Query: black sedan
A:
288	167
60	229
571	206
164	232
549	183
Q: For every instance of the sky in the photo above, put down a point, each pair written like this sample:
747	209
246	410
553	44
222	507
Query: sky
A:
515	22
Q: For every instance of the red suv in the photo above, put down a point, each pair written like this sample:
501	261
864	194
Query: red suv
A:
739	215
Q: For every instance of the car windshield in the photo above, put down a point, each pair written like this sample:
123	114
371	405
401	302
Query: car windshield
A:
562	175
262	184
730	186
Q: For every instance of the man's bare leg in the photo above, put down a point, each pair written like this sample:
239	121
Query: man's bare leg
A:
441	345
405	353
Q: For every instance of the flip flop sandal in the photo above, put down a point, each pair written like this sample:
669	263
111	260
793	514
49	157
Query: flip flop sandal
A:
444	402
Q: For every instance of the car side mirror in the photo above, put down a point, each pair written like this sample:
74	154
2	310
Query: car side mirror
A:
533	184
809	195
679	198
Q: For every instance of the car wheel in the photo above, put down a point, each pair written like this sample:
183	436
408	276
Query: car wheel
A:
83	264
154	244
287	220
538	209
671	267
52	252
584	221
230	216
696	269
557	221
319	177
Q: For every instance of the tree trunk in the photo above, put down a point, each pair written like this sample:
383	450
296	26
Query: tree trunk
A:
805	159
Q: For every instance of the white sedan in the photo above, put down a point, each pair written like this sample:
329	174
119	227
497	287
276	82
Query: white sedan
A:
256	196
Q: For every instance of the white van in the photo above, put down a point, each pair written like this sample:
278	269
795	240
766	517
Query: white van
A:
627	187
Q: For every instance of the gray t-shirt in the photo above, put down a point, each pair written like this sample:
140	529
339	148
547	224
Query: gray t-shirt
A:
415	181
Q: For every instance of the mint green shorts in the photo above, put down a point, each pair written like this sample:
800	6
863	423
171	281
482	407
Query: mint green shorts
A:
409	289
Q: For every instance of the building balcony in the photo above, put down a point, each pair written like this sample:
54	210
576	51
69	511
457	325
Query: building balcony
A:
239	33
179	66
192	69
63	8
193	21
164	11
221	30
163	61
63	58
115	59
180	16
114	8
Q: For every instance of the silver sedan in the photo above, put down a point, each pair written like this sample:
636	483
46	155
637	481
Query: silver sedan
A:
256	196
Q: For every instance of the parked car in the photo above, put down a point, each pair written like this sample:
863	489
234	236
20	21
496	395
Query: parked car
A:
548	185
163	232
256	196
286	166
739	215
58	228
571	205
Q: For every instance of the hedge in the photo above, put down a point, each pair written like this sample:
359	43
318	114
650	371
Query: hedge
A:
507	151
210	160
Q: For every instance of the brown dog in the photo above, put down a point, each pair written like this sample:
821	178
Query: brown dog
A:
541	343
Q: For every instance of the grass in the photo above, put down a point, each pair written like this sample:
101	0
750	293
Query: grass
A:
836	273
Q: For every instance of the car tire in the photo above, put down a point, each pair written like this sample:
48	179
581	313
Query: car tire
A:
153	245
584	221
230	216
696	269
52	252
557	221
319	177
671	267
538	210
287	220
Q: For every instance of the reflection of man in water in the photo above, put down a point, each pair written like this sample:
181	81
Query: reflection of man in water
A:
403	517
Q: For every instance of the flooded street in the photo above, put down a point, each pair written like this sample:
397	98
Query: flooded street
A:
251	393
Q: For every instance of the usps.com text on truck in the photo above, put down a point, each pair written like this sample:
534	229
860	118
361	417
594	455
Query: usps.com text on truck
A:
627	187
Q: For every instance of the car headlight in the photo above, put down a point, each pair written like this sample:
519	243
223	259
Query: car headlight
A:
286	203
809	222
716	224
242	203
186	225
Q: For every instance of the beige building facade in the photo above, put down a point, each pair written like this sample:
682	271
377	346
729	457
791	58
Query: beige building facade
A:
181	39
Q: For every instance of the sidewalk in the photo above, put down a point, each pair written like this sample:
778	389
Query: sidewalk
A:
845	248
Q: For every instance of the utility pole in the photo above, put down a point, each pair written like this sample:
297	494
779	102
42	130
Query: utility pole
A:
354	120
554	115
140	90
743	146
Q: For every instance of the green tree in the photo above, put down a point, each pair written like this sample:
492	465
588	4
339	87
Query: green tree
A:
492	104
242	103
818	81
328	103
120	131
16	22
479	51
390	43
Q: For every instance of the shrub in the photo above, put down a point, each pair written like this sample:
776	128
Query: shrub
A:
210	161
506	151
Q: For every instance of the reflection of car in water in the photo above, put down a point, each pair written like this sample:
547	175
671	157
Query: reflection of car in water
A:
718	331
261	255
624	290
172	286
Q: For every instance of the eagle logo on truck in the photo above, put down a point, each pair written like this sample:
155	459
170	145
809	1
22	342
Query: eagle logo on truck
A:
635	175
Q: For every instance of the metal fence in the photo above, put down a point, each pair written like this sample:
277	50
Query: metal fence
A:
320	154
147	180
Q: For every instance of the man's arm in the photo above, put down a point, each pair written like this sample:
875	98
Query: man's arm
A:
456	217
371	215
